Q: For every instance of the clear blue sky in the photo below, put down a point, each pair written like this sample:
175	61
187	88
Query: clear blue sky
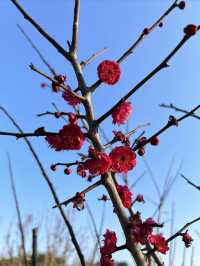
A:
114	24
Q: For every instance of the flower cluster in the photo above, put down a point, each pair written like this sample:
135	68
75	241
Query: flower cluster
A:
109	246
142	232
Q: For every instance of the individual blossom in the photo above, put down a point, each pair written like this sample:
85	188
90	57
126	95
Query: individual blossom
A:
60	79
70	98
159	243
121	113
125	195
107	261
99	165
123	159
109	243
70	137
78	201
109	72
187	239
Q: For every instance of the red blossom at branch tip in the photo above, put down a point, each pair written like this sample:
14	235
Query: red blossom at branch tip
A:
187	239
121	114
109	72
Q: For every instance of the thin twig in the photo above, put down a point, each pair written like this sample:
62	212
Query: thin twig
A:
178	109
53	72
93	57
86	190
14	192
189	182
